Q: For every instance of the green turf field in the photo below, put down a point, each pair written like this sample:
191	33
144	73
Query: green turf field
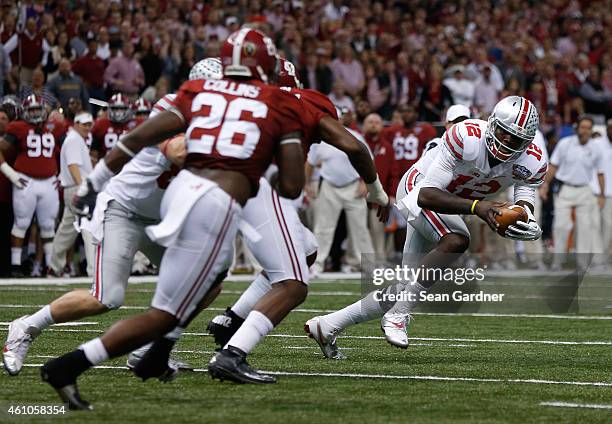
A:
471	369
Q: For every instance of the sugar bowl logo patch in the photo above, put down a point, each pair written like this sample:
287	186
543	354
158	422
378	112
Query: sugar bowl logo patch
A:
520	172
249	49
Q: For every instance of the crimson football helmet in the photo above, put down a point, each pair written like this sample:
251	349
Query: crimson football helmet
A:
142	107
287	75
249	53
34	109
119	109
511	128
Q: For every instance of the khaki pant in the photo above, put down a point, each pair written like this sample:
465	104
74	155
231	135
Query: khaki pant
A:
377	233
603	237
66	235
584	202
330	202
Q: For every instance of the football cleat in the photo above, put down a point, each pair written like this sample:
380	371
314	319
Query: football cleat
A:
17	271
231	364
157	365
69	393
19	339
223	327
325	335
394	327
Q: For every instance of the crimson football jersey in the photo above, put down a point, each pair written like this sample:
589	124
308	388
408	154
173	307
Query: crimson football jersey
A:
106	133
37	147
316	107
236	125
408	143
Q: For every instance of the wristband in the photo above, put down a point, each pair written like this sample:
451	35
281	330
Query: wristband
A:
100	175
125	149
473	206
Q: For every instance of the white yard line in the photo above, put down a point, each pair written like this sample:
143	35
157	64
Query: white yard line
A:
426	339
400	377
576	405
327	311
65	324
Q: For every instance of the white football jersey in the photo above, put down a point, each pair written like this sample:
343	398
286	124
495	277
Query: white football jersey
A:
464	155
140	185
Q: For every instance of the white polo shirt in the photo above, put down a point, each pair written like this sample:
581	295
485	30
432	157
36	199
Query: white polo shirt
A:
605	145
335	166
576	162
74	152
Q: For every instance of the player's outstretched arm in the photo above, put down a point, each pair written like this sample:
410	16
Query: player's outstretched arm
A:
290	159
8	170
336	135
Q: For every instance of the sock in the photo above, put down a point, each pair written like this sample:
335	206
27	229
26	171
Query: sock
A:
40	319
48	248
363	310
175	334
405	306
94	351
15	255
255	327
62	371
260	286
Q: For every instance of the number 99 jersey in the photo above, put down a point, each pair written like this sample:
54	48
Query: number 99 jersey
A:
37	147
235	125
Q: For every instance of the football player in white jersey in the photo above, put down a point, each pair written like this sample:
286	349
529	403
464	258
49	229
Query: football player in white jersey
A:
129	203
476	160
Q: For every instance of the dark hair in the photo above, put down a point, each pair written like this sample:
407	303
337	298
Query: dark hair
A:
584	118
459	119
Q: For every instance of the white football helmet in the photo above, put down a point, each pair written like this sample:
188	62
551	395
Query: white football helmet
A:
209	68
511	128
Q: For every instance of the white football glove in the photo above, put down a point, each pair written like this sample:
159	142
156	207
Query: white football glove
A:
528	231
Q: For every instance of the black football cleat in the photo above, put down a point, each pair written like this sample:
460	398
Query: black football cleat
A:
17	271
69	393
230	364
223	327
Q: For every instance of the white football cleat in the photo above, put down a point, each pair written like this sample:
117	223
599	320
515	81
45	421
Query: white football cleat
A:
17	344
325	335
394	327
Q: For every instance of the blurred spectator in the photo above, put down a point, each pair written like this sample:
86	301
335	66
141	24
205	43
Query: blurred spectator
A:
316	75
340	190
387	90
213	29
124	74
150	61
597	102
78	42
66	85
6	211
159	90
435	96
481	64
75	164
38	87
103	50
334	10
5	68
388	172
604	216
339	97
461	89
275	16
28	48
487	94
349	69
572	163
90	68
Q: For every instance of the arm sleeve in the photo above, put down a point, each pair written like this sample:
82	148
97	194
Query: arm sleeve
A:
525	193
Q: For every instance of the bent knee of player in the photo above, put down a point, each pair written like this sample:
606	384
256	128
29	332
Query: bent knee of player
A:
113	298
165	321
296	290
455	243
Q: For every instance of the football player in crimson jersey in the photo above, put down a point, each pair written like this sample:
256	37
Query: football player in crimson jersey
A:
34	176
234	128
107	131
283	263
129	202
476	160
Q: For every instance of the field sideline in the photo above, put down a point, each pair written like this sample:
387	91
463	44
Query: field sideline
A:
467	367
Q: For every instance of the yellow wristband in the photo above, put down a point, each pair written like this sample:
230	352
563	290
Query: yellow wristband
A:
473	206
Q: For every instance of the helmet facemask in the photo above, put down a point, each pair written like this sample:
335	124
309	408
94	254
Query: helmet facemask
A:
119	113
503	143
35	114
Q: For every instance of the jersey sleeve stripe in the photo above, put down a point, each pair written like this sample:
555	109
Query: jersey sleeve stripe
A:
451	147
456	137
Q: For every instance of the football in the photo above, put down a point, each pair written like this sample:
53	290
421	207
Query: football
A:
510	215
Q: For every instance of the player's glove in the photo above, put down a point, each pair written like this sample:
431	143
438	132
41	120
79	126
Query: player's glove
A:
13	176
84	200
529	230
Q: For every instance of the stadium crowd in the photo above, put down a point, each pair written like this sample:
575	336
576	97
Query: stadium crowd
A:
406	62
